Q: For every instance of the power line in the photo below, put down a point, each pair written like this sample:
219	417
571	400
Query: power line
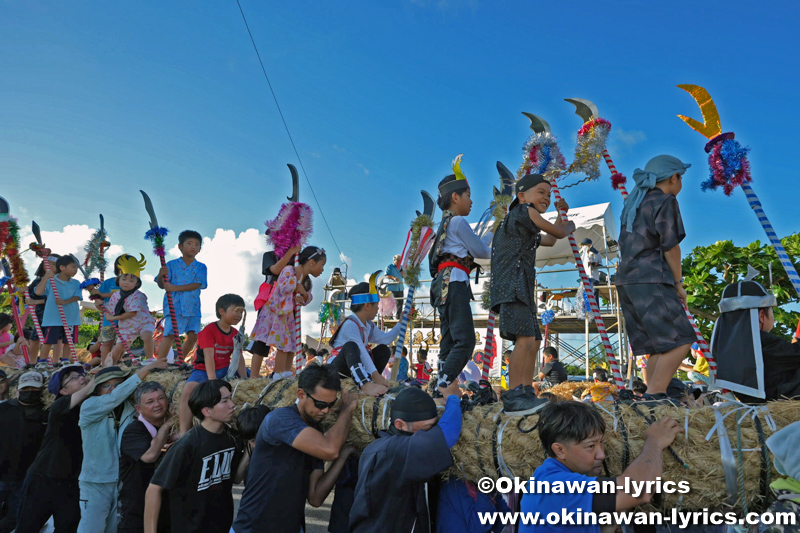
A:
264	70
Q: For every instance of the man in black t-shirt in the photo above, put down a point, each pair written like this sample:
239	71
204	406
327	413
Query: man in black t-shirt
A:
140	450
287	464
24	420
199	470
553	372
51	486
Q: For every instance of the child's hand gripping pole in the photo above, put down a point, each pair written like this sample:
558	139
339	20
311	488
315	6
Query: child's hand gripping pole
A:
14	309
156	234
589	290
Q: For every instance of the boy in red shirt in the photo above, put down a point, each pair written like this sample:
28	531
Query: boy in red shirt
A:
214	349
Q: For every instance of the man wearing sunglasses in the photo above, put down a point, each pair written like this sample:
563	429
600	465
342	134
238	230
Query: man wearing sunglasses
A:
286	468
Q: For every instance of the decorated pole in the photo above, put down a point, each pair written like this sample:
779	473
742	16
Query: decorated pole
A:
292	227
44	254
594	132
498	208
16	278
730	167
418	243
156	235
542	155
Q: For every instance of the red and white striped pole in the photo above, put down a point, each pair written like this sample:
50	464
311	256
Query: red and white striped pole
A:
298	338
589	290
35	318
701	341
488	348
18	321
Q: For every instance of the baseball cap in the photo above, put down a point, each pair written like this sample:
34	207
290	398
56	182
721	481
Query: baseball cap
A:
526	182
30	379
107	374
587	241
54	385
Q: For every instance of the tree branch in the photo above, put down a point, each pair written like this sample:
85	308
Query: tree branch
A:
708	316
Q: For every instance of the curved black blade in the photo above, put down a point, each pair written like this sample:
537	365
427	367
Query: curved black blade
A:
6	268
295	184
80	267
148	205
102	224
538	124
584	108
506	179
429	205
4	208
37	233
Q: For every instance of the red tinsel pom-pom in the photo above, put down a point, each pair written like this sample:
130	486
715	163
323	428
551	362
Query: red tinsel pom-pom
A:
617	179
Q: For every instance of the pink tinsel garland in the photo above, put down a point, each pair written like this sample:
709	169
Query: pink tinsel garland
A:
589	126
291	227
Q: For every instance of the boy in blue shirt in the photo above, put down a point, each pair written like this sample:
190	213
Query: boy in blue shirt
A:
69	294
572	435
107	336
187	277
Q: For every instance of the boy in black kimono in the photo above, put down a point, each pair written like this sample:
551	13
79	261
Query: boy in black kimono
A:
649	278
514	280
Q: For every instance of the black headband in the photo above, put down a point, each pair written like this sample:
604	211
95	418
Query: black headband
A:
453	186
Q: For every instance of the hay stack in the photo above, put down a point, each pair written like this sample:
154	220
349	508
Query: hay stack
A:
569	389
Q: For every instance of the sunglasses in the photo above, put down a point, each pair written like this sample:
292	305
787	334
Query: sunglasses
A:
320	404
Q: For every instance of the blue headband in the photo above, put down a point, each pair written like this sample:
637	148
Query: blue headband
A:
358	299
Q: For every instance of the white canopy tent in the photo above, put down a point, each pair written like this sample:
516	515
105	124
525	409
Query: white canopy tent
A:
595	222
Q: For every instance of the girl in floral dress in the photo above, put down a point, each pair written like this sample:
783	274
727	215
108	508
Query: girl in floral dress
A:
276	326
128	306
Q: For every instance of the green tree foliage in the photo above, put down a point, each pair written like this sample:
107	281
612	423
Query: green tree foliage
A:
709	269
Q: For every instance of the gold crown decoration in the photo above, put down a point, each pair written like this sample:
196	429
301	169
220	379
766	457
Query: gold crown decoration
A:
130	265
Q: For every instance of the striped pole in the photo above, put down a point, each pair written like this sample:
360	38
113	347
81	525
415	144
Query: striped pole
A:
589	290
488	347
701	341
398	351
67	329
298	338
18	321
755	205
114	325
35	318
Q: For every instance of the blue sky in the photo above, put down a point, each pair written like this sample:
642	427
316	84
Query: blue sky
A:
98	100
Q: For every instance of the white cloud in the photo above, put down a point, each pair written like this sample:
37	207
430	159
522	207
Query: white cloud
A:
365	169
345	259
629	138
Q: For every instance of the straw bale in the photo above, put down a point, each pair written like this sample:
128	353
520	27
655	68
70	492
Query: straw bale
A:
568	389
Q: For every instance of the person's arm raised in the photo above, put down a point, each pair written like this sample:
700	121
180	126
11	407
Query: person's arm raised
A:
650	463
326	446
77	397
321	482
556	231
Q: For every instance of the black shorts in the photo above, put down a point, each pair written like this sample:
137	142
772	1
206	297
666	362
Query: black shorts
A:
258	348
518	320
654	318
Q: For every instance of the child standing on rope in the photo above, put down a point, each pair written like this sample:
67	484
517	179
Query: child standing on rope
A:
276	327
69	294
649	277
187	277
128	306
451	260
271	269
514	281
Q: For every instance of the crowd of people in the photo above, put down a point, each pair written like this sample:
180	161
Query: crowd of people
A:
104	456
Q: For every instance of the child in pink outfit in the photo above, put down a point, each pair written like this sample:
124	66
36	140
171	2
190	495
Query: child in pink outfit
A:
128	306
275	324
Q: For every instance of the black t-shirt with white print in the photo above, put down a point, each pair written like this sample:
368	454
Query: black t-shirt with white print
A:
197	472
